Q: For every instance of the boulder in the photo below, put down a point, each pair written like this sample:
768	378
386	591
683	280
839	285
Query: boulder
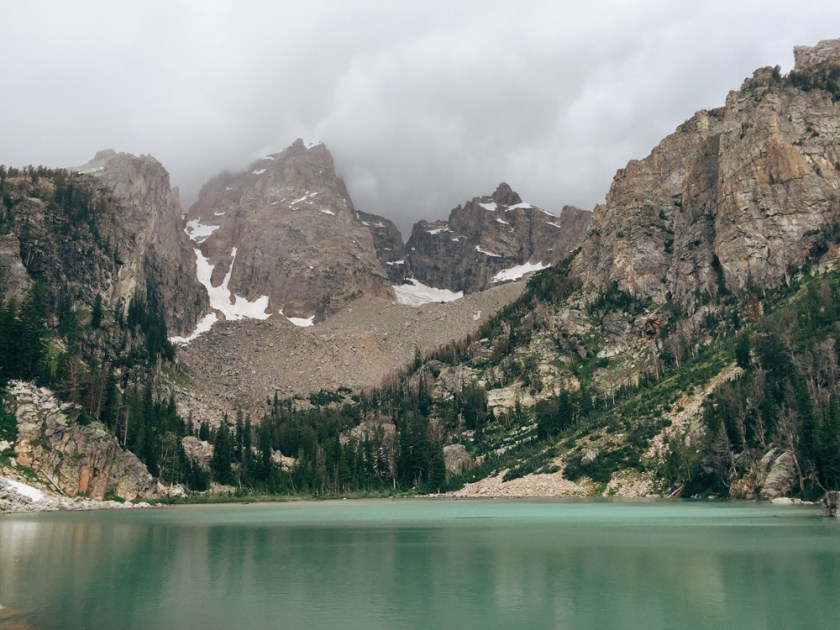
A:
831	504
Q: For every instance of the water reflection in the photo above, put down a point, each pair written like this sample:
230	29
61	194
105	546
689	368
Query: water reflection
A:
602	566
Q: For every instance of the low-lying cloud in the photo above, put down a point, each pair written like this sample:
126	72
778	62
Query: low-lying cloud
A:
424	104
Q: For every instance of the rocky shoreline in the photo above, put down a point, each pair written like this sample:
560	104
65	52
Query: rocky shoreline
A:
19	496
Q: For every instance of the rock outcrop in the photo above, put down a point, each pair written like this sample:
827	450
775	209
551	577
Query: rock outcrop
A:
826	51
489	235
77	459
736	197
284	235
152	255
456	459
198	452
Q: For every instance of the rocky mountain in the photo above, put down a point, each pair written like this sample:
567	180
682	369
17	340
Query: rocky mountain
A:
150	250
687	346
490	239
109	230
735	198
283	236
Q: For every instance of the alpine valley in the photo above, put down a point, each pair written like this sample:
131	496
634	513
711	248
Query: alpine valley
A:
680	340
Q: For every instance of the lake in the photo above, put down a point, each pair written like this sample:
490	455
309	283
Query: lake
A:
419	563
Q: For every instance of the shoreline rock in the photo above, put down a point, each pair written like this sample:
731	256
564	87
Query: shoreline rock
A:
19	497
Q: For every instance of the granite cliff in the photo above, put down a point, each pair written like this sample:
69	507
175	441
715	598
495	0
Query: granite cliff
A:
734	199
150	252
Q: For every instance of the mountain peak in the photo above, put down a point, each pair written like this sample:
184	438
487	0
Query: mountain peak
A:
505	195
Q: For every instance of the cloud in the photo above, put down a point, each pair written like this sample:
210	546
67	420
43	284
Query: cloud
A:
423	104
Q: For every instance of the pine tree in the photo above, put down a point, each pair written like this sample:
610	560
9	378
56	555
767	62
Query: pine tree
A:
828	452
222	455
96	315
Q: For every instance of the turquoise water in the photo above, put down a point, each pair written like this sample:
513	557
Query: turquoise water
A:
424	564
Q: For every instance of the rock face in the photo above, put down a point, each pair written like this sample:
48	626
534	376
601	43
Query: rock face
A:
388	243
77	459
826	51
456	459
285	231
14	281
736	195
153	256
488	235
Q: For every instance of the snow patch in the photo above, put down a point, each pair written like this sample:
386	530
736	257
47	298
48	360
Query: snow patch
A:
310	145
325	211
219	214
502	221
557	225
489	206
258	171
485	252
520	205
202	327
95	169
438	230
25	490
306	196
303	322
416	294
198	232
396	262
515	273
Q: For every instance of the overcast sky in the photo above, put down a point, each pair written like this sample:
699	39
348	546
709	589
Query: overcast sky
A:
423	103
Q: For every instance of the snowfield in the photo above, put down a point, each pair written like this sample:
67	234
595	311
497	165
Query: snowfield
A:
515	273
199	232
417	294
222	299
